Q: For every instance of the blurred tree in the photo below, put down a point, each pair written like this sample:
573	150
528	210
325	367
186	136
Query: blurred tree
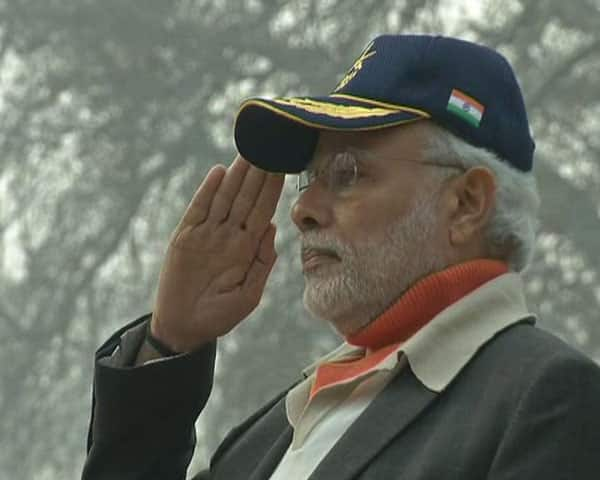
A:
113	111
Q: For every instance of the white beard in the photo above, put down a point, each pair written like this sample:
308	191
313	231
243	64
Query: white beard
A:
373	274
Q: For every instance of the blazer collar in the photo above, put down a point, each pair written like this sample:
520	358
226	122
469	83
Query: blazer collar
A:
440	350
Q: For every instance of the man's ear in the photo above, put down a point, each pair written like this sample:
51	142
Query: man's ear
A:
473	197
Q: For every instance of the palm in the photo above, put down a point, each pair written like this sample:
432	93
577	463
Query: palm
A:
219	257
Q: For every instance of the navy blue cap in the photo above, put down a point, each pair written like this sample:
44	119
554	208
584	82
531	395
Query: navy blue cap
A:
468	89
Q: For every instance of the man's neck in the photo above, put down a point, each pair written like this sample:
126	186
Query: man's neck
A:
424	300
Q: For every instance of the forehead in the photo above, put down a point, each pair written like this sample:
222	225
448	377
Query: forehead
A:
404	140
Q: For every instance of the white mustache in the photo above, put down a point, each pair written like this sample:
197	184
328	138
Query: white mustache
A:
320	243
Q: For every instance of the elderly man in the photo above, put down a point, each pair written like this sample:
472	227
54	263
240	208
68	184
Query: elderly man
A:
416	214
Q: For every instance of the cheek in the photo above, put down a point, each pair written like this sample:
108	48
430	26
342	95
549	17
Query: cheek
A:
358	219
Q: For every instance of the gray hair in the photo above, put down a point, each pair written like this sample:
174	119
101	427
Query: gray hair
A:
511	231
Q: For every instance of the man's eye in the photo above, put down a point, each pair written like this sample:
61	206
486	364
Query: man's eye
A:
343	175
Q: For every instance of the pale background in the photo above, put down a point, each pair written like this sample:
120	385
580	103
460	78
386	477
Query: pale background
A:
111	113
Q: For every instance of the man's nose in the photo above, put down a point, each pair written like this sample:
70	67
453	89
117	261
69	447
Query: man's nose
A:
312	208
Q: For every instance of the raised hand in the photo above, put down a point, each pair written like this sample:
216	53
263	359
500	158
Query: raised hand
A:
219	257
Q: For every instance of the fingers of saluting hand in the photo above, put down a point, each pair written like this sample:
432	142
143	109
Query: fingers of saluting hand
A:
199	207
241	194
260	217
228	190
247	195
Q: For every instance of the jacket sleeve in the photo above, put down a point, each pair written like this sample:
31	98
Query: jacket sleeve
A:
555	431
142	422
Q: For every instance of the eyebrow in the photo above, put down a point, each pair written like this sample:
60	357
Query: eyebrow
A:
364	157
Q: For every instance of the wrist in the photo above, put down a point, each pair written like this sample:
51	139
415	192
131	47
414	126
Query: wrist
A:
175	340
158	345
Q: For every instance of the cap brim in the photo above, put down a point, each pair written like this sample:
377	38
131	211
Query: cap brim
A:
280	135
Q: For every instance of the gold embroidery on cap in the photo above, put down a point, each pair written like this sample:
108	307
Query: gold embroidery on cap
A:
358	65
333	110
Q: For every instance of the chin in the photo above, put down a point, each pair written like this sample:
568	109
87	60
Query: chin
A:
340	322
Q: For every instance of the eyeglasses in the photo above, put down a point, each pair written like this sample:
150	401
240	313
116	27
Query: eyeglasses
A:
342	170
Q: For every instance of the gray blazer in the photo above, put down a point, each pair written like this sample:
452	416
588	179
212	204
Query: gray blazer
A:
525	407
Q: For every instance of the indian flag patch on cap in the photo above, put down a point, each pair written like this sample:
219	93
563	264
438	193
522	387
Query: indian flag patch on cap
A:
465	107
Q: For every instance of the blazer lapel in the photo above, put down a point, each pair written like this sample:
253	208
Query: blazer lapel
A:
267	465
270	435
388	414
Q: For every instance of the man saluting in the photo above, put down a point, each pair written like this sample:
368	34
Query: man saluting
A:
416	212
